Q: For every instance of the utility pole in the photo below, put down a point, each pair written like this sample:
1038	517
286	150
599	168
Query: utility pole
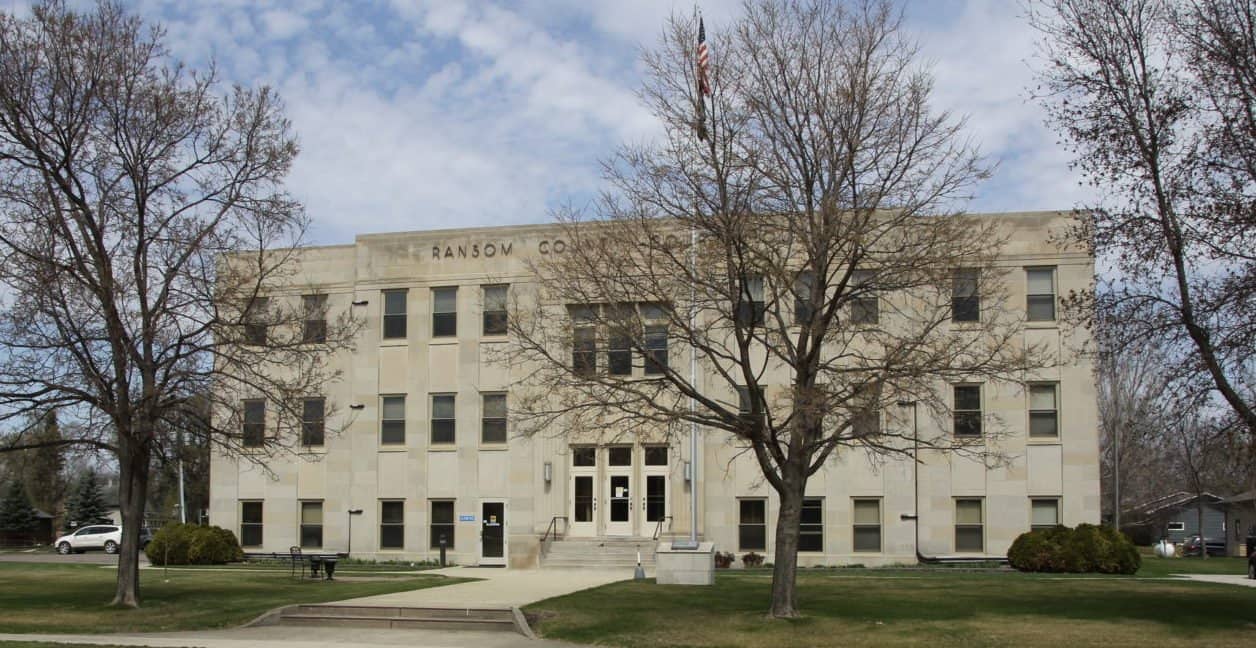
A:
183	503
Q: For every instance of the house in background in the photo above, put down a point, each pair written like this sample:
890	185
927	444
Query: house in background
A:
1241	522
1175	517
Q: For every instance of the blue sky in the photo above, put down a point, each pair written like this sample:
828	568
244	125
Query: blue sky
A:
417	115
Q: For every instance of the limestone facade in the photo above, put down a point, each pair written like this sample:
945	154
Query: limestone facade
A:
421	453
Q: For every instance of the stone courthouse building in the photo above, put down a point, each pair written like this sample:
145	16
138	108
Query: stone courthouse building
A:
428	450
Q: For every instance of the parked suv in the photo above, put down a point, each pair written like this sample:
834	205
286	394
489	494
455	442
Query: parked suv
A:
97	536
1192	546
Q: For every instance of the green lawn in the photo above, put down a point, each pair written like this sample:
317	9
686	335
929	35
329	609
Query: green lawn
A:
42	597
1165	566
907	607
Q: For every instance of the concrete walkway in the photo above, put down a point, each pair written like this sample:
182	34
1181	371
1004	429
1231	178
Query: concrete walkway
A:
1224	579
499	587
289	637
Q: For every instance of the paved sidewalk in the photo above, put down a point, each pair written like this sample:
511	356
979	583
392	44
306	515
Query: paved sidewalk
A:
290	637
499	587
1224	579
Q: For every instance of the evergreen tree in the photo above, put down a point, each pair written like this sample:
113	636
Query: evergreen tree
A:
16	511
86	504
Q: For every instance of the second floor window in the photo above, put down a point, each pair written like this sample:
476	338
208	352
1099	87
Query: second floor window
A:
394	314
443	431
493	421
750	304
254	428
444	312
966	295
392	424
655	348
312	424
1043	413
804	309
583	340
314	323
255	318
967	410
495	310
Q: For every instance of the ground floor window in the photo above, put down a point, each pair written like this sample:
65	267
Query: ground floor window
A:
752	532
392	524
311	525
867	525
811	529
442	525
1044	513
969	525
250	524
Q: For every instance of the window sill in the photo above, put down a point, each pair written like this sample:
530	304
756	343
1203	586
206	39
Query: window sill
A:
444	340
442	447
494	447
393	447
495	337
1055	440
1053	324
393	342
312	450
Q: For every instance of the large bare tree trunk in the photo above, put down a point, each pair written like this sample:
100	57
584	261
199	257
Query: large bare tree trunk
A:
133	460
785	562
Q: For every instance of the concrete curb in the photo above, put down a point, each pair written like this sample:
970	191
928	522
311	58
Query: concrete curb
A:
521	623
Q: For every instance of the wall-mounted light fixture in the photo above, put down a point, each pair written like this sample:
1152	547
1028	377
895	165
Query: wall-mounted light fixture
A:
357	406
688	471
547	471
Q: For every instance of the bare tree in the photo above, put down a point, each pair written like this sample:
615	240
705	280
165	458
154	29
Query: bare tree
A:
1157	98
802	249
131	191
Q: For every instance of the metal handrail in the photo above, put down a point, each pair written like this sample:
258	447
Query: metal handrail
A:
553	526
658	527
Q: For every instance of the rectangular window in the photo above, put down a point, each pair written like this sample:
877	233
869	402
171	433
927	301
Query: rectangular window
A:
1043	411
1044	513
811	527
655	348
583	340
493	419
392	524
584	456
750	304
442	524
256	315
752	528
804	310
392	421
442	419
1176	526
312	423
444	312
865	307
394	314
969	526
1040	299
967	410
867	525
619	456
495	309
254	429
656	455
619	355
314	322
966	295
744	405
311	525
250	524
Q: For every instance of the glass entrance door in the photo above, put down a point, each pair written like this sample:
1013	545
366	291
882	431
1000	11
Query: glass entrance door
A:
583	506
619	487
492	533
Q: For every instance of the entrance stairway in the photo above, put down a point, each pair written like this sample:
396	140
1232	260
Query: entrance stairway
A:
411	618
598	553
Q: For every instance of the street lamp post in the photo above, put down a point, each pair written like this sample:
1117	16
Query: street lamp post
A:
349	547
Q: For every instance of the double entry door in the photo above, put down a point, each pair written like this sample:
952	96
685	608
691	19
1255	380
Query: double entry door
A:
607	496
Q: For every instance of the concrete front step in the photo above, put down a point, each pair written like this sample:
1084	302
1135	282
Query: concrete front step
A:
599	553
409	618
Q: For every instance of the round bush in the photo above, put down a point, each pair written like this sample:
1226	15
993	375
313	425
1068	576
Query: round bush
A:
190	544
1085	549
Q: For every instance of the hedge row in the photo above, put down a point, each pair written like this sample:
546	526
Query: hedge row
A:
191	544
1086	549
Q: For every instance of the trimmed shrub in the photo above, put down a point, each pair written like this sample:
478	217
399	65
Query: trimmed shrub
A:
191	544
752	559
1085	549
724	560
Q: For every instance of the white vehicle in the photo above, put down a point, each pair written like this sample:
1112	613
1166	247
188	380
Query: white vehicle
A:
96	536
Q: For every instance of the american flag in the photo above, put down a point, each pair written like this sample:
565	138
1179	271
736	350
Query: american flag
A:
704	86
